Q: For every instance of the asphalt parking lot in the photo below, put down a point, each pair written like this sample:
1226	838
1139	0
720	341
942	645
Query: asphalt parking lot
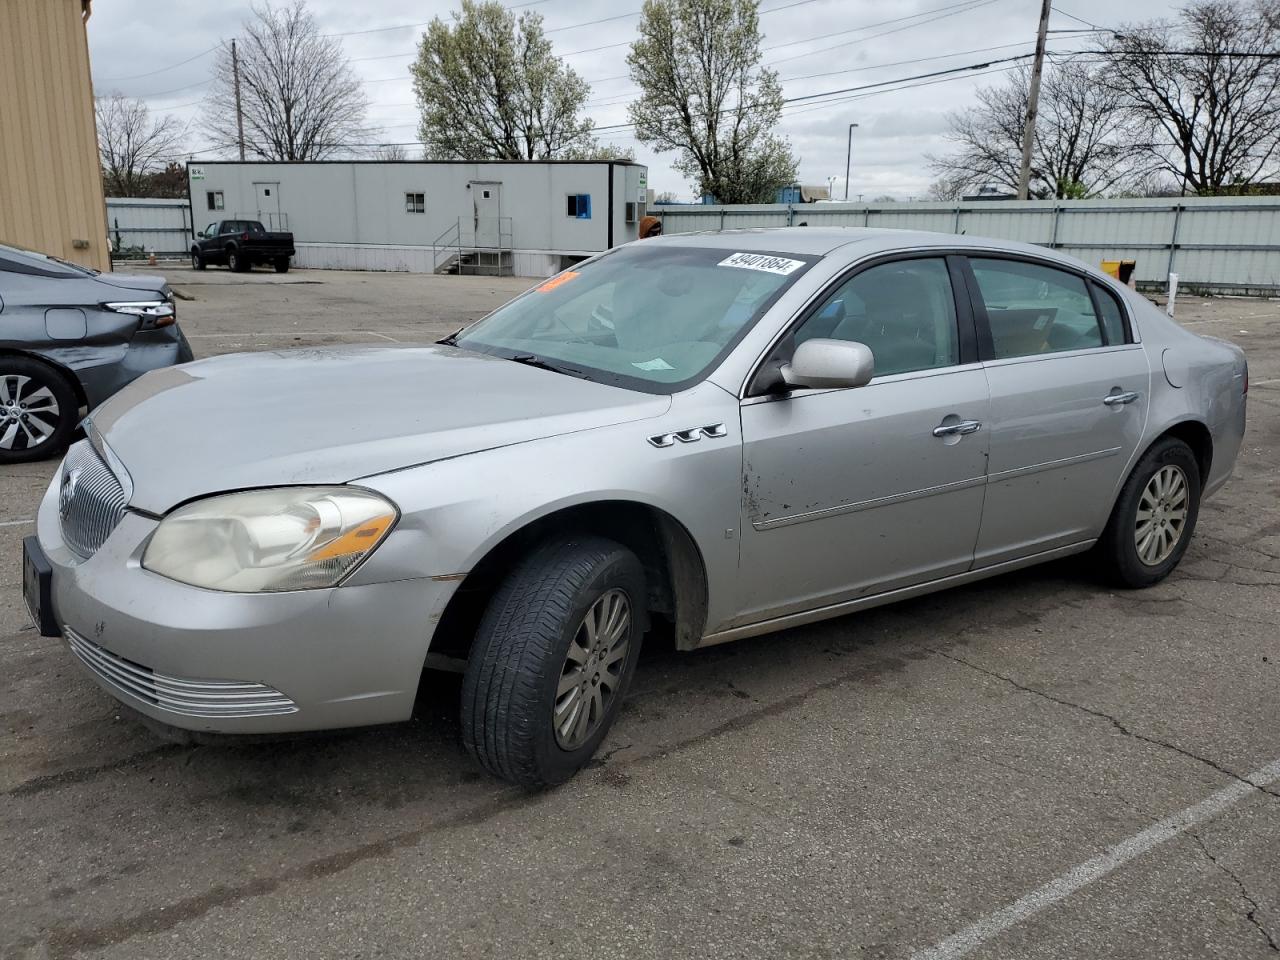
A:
1030	767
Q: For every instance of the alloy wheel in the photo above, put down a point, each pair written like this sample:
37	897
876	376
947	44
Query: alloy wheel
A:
29	412
592	670
1162	515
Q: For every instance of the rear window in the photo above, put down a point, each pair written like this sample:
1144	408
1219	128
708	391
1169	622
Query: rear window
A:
648	316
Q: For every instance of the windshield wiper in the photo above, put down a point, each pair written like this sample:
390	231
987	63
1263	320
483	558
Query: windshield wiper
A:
531	360
452	339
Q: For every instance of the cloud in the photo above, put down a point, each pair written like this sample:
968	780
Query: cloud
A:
897	128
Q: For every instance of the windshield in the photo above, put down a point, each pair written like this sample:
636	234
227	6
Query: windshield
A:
648	316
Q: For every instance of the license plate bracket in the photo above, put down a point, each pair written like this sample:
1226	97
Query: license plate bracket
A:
37	587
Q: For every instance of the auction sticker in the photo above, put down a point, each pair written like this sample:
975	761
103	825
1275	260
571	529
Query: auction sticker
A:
762	261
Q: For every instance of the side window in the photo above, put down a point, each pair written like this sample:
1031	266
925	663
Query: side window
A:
1034	309
904	311
214	198
578	205
415	203
1113	325
211	230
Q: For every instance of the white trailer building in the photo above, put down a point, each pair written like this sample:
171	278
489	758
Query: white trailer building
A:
504	217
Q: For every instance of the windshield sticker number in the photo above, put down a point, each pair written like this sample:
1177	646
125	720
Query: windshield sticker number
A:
559	280
657	363
762	261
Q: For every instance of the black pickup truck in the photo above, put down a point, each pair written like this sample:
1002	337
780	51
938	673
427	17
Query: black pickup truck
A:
241	244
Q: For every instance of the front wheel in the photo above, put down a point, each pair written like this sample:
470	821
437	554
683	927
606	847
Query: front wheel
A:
552	660
197	261
38	410
1154	516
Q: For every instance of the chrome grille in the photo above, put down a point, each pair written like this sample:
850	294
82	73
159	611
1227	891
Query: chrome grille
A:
193	698
91	499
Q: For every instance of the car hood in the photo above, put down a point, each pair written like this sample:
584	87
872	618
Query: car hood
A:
134	282
332	415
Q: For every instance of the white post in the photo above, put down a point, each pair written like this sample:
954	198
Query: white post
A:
1173	293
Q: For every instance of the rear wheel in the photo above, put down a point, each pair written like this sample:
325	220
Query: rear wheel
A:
552	660
282	265
197	261
1154	516
38	410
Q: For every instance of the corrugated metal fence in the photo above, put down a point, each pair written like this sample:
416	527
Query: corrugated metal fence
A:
162	227
1228	244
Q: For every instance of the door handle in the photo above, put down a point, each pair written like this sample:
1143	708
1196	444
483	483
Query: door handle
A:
1116	399
962	429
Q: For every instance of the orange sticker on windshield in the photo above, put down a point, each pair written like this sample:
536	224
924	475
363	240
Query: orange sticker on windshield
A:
559	280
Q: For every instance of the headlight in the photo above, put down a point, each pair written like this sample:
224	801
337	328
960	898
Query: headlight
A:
287	538
152	313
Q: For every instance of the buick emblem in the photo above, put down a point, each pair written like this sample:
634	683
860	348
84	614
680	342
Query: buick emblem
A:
66	496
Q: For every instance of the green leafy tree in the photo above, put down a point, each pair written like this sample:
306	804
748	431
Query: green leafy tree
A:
705	94
489	87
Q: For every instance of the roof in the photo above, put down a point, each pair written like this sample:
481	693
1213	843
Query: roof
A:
419	163
820	241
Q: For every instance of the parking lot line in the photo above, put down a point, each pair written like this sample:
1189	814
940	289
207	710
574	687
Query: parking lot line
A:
975	935
16	523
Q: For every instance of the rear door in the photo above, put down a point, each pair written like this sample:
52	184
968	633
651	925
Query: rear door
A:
853	492
1069	399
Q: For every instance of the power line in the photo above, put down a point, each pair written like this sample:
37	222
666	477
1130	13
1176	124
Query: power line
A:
968	68
172	66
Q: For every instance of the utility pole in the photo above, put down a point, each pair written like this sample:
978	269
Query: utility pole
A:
240	114
1033	103
848	158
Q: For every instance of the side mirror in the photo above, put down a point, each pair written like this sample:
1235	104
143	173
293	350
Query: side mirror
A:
829	364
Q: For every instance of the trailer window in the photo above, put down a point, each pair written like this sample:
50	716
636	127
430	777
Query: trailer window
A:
415	203
578	205
214	198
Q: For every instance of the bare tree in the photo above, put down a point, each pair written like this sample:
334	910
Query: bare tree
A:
1079	149
132	145
300	98
705	95
489	87
1203	95
390	151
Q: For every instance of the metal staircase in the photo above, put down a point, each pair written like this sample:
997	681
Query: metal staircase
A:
481	245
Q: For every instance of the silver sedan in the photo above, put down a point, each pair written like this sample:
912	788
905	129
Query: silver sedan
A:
715	435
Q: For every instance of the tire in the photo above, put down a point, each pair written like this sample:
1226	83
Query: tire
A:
1131	560
521	655
236	262
36	403
282	265
197	261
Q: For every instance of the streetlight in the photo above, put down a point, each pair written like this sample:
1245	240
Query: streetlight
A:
848	158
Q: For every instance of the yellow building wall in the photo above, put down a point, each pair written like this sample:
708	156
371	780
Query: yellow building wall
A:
50	180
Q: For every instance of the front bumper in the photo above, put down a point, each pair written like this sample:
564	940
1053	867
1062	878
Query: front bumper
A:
238	663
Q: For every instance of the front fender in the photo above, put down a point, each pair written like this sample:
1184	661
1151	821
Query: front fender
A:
454	512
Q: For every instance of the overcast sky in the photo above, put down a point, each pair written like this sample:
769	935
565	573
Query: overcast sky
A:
849	42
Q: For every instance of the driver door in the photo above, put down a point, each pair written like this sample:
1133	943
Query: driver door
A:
853	492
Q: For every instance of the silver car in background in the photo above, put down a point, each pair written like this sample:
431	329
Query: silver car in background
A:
730	433
69	338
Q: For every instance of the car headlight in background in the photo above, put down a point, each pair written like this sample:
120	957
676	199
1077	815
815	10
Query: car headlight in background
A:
260	541
152	313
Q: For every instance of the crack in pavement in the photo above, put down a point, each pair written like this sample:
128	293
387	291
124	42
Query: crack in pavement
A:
1252	914
66	942
80	774
1107	717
